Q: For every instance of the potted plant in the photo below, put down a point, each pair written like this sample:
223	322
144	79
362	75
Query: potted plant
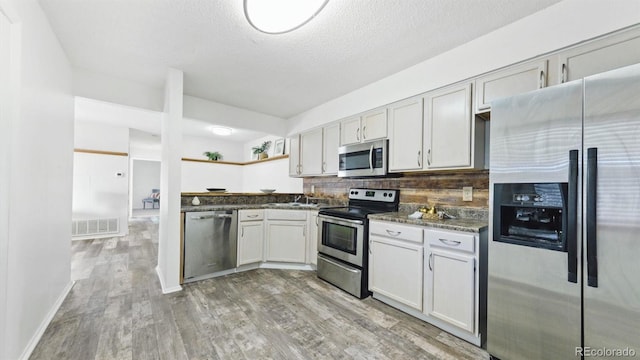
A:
261	150
213	155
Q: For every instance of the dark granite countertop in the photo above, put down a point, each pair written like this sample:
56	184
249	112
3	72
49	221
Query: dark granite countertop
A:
457	224
280	206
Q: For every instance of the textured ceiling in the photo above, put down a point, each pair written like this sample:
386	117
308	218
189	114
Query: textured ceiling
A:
351	43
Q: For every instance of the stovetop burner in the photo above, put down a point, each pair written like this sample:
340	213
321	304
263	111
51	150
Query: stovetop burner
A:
363	202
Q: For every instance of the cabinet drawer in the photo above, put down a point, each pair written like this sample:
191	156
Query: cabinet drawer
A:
249	215
286	215
451	240
396	231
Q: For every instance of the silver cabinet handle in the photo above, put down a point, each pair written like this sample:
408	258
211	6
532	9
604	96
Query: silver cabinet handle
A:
429	157
364	132
564	73
324	166
393	233
419	157
242	232
358	134
370	251
252	216
542	82
430	258
450	242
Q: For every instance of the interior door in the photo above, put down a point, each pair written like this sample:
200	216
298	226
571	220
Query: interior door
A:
612	177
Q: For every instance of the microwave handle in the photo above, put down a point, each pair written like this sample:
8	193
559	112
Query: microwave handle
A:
371	158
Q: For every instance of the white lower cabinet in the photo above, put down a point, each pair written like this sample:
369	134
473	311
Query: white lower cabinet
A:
286	236
451	288
451	280
432	274
395	262
250	236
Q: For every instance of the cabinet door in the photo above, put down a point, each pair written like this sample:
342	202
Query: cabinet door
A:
448	128
313	238
350	131
250	242
395	270
600	56
311	152
330	145
294	156
374	125
405	135
452	288
508	82
286	241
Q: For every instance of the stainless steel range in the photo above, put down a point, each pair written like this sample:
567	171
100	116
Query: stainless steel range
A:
343	238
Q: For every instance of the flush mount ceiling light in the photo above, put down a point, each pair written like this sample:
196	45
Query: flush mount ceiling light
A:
221	130
281	16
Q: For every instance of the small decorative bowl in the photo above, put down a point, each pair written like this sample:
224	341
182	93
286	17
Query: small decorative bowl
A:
268	191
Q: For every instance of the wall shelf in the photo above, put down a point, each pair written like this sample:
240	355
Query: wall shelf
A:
279	157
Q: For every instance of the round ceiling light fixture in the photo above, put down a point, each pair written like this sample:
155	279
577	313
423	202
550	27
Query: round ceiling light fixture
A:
221	130
281	16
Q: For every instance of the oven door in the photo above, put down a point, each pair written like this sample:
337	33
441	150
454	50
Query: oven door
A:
342	239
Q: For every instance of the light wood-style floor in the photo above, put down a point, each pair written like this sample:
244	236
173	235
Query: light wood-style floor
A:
117	311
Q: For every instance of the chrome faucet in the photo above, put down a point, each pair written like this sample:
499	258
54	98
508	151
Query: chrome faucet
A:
297	198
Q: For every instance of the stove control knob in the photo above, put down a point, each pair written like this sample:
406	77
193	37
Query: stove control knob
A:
390	194
352	192
384	194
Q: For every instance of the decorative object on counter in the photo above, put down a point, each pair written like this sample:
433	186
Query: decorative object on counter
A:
213	155
429	213
268	191
278	147
195	201
261	150
415	215
216	189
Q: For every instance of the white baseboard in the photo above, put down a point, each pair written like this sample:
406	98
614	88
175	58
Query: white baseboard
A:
45	322
166	290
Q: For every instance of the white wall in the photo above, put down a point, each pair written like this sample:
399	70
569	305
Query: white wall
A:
270	175
39	199
194	146
248	152
558	26
197	177
145	177
98	192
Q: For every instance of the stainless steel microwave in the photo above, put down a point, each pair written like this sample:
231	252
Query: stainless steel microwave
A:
364	159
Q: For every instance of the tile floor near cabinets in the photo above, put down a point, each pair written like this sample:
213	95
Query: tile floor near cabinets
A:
117	311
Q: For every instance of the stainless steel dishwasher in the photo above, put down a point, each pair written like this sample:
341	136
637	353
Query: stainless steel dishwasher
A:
210	242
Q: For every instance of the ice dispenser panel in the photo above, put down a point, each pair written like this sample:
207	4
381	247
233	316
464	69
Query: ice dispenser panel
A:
531	214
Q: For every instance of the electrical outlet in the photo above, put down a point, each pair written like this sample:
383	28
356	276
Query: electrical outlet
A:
467	193
313	189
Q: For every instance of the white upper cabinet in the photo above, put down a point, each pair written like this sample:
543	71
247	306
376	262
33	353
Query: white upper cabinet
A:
294	156
374	125
330	145
311	153
508	82
405	135
598	56
451	138
369	126
350	131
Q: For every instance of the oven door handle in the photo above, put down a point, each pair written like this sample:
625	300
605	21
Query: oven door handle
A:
343	267
339	221
371	158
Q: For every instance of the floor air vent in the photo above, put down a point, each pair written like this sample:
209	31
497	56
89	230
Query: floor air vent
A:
95	227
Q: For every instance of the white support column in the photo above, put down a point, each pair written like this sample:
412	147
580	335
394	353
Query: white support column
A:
168	268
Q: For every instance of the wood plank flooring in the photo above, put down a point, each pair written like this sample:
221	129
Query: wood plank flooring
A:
117	311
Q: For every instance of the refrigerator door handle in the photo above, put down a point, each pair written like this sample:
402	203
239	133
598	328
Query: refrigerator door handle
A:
572	216
591	218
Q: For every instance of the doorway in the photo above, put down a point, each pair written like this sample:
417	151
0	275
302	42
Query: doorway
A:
145	177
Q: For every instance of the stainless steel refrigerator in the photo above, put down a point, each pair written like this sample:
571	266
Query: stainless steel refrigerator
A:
564	249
